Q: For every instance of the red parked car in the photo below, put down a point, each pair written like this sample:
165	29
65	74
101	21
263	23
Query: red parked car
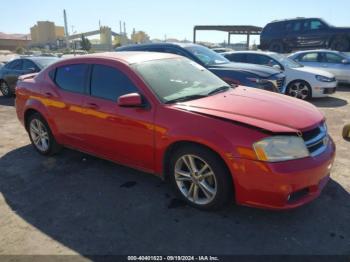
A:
167	115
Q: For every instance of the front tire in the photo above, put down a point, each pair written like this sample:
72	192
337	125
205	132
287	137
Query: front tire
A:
200	177
299	89
41	136
340	44
5	89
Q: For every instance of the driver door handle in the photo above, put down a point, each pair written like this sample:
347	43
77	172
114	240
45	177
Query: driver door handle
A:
92	106
48	95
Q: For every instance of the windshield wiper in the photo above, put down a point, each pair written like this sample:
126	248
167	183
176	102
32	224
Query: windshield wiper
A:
219	90
185	98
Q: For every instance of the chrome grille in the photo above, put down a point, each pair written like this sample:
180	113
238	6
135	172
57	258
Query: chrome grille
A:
316	140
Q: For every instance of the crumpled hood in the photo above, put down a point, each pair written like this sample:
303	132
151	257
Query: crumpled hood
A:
266	110
314	71
261	71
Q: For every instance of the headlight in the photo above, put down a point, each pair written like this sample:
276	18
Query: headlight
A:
324	127
324	79
281	148
258	80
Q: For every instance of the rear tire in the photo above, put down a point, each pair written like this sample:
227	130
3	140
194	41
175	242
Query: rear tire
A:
5	89
200	177
299	89
276	46
41	136
340	44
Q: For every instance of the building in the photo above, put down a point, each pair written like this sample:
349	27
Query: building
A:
105	42
46	33
13	41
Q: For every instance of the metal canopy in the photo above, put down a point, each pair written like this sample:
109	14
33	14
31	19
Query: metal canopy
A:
230	29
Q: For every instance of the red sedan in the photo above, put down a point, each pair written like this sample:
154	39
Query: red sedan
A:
167	115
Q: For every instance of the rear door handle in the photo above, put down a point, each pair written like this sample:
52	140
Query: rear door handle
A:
92	106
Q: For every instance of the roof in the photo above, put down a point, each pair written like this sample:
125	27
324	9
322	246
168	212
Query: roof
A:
166	44
126	57
39	58
316	51
294	19
233	29
23	37
250	52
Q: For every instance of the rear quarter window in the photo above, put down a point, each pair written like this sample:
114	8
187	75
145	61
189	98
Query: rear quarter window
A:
273	28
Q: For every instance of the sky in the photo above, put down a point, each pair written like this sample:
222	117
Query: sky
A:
167	18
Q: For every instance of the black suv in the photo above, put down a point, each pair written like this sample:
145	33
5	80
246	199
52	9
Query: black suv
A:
303	33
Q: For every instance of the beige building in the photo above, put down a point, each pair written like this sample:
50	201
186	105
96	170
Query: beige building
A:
46	32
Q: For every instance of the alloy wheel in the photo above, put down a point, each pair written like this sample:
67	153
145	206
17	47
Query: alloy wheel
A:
299	90
39	135
4	89
195	179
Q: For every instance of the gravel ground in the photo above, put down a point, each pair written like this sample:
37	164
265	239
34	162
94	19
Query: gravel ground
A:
77	204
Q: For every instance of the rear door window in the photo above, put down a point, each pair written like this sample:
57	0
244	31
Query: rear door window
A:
72	78
309	57
28	65
260	60
109	83
15	65
293	26
241	58
297	27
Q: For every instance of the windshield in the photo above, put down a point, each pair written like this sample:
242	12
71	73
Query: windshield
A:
178	78
285	61
345	55
45	62
207	56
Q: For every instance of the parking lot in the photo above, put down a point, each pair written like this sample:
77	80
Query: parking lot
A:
77	204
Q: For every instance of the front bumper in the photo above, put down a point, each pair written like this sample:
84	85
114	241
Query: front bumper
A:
274	84
324	89
283	185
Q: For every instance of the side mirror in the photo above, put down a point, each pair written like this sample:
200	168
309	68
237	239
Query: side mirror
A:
277	67
345	61
130	100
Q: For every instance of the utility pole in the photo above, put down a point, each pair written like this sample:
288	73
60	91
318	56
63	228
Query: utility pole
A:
120	33
66	27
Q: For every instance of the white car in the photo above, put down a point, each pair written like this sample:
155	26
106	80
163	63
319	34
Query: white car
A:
301	81
337	63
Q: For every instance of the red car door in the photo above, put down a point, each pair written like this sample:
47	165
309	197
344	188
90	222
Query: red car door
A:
63	97
122	134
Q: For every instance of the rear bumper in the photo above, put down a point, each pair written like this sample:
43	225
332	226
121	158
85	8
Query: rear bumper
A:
283	185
